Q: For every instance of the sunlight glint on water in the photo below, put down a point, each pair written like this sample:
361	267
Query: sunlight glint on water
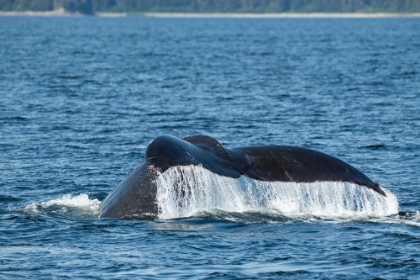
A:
185	191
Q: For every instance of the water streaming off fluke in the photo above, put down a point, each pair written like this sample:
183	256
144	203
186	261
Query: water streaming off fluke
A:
187	190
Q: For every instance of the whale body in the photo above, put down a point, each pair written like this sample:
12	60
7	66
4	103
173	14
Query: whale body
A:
135	196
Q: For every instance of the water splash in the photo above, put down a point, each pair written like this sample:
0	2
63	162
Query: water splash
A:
184	191
409	218
80	205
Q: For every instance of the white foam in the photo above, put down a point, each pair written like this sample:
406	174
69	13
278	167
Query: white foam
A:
188	190
80	204
409	218
414	220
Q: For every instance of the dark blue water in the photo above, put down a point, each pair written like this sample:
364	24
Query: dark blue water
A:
81	98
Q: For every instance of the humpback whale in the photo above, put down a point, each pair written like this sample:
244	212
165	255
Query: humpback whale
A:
135	196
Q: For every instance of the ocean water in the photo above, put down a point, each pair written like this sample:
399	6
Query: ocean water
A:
81	98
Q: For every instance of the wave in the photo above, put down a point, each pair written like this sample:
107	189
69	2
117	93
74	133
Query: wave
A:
67	204
192	190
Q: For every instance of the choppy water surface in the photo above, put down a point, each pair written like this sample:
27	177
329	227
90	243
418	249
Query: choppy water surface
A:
81	98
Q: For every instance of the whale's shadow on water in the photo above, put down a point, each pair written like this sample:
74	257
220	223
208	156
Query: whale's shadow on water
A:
197	174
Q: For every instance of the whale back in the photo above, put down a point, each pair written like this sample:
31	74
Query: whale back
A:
135	196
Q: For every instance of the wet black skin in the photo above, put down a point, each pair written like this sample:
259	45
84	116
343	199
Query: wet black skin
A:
135	196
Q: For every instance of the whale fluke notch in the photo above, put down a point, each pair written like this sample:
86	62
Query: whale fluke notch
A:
136	194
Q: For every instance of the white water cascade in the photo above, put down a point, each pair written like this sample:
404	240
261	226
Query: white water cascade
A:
184	191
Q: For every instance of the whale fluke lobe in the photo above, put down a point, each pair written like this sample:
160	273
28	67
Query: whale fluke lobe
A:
135	196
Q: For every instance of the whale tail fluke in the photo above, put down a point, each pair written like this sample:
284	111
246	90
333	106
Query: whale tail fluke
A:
378	188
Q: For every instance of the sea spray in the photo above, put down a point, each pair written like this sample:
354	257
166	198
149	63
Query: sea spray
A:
184	191
80	204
